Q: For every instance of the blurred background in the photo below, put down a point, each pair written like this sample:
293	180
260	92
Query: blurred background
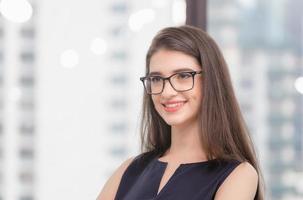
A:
70	95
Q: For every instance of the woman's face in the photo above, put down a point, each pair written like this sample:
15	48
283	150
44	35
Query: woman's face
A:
176	108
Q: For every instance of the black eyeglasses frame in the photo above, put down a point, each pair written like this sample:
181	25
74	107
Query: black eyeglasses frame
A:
193	73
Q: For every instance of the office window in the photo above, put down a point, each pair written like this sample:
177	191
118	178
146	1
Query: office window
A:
27	57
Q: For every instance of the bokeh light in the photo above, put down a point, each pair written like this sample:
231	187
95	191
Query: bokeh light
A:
17	11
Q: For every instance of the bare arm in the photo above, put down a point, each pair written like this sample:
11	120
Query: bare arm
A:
241	184
111	186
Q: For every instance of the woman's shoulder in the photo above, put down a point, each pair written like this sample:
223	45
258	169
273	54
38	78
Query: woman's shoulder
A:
243	178
111	186
132	165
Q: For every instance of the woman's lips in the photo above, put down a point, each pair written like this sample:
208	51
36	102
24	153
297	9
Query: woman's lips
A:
173	106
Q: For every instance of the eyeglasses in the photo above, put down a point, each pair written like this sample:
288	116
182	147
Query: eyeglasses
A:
181	81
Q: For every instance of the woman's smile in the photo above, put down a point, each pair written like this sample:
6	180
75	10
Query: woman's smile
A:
173	106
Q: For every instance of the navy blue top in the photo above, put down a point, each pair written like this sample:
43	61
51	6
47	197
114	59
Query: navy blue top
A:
190	181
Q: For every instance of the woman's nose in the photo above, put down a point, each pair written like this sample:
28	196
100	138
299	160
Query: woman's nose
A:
168	89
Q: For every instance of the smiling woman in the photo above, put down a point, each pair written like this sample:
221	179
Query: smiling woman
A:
179	102
195	144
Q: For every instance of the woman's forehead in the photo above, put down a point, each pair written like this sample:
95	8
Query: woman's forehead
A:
167	61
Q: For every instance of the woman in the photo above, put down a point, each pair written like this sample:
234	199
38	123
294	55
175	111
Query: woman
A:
195	142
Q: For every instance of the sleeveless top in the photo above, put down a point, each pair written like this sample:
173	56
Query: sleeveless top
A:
190	181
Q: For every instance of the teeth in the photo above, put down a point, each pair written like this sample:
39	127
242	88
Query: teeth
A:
173	105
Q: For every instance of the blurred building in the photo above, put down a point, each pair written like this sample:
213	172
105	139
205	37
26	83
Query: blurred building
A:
261	43
18	111
71	95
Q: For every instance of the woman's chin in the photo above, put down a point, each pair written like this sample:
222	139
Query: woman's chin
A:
180	121
174	122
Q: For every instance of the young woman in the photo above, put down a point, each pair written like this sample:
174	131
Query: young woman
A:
195	144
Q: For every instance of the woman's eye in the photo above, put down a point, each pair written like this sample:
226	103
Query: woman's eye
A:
184	75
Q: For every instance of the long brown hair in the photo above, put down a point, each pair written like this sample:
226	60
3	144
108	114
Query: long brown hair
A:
224	134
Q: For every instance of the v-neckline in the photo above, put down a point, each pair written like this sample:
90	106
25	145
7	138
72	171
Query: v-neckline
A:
165	164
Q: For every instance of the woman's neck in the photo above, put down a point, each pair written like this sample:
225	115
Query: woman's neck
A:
185	144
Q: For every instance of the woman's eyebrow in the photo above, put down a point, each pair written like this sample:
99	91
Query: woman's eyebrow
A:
174	71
